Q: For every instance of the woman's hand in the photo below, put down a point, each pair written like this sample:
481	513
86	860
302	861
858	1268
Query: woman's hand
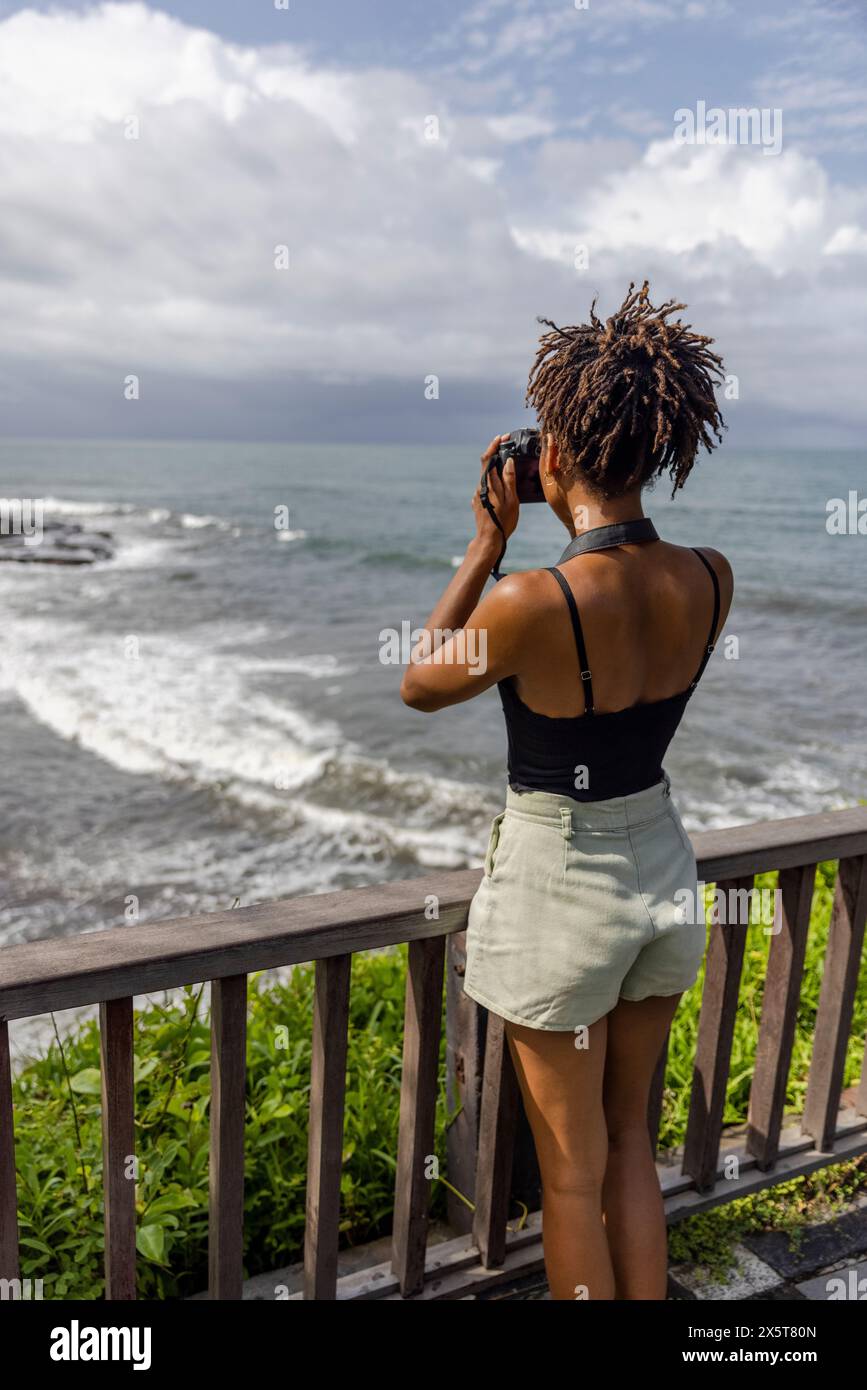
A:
503	497
441	668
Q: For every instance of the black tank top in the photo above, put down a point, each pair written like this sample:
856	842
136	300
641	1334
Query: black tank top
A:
591	756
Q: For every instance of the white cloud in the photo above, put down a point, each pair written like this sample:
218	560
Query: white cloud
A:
407	256
846	241
520	125
494	31
678	199
816	72
159	251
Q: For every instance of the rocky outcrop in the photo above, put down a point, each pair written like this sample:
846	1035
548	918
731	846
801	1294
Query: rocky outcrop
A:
61	543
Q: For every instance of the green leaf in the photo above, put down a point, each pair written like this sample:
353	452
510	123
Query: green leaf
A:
150	1241
87	1082
35	1244
172	1201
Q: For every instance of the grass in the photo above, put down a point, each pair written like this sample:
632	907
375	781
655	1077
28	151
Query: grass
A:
59	1145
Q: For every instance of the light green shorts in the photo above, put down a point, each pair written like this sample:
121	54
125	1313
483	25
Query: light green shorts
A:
582	904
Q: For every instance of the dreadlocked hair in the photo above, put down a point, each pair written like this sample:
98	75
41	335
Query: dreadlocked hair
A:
629	399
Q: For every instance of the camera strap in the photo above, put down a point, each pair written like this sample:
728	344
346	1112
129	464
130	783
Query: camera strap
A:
605	537
598	538
489	508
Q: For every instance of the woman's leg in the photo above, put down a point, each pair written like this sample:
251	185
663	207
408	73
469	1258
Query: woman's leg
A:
562	1090
632	1200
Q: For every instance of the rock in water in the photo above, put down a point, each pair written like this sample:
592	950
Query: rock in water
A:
61	543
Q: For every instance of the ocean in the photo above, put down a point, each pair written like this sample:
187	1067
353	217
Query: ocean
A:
205	718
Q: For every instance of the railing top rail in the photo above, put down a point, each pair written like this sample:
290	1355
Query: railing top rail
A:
66	972
766	845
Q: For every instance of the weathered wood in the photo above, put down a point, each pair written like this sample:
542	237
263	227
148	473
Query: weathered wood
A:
418	1098
716	1027
779	1013
499	1117
325	1140
39	976
466	1026
836	1001
657	1091
745	850
65	972
118	1146
9	1266
227	1115
466	1035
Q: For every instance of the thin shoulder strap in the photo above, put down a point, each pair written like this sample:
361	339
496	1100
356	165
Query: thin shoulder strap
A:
579	638
714	620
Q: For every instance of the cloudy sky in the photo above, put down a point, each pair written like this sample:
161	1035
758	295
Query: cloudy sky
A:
431	169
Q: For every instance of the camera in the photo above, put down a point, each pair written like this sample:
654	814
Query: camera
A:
525	447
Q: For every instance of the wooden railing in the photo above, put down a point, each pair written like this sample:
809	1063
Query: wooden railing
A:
110	967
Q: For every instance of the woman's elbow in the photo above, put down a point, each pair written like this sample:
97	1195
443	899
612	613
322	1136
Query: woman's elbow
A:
414	693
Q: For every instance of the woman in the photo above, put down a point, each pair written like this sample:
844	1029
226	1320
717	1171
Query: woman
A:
580	936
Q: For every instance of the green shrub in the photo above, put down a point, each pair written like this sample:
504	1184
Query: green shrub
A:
59	1142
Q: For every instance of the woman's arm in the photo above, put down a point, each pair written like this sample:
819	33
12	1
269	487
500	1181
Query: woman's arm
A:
462	593
454	660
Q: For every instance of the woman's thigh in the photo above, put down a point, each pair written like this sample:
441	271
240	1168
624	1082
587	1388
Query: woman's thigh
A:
635	1038
562	1085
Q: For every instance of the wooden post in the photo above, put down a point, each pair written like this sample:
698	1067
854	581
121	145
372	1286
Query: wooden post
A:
118	1147
466	1026
719	1003
9	1265
466	1036
779	1014
325	1142
418	1098
836	1002
500	1101
227	1115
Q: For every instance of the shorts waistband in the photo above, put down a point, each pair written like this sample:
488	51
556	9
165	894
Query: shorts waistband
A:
617	812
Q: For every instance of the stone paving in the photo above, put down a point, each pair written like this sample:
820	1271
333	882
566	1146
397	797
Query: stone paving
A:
827	1261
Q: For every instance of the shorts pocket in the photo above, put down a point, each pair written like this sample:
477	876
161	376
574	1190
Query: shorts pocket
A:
681	830
493	841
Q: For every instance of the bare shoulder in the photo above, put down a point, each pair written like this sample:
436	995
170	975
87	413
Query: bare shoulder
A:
723	569
522	595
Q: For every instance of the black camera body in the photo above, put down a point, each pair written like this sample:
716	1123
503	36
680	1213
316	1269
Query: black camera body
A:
525	447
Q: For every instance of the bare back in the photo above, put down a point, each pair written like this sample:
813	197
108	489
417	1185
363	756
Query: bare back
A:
645	611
